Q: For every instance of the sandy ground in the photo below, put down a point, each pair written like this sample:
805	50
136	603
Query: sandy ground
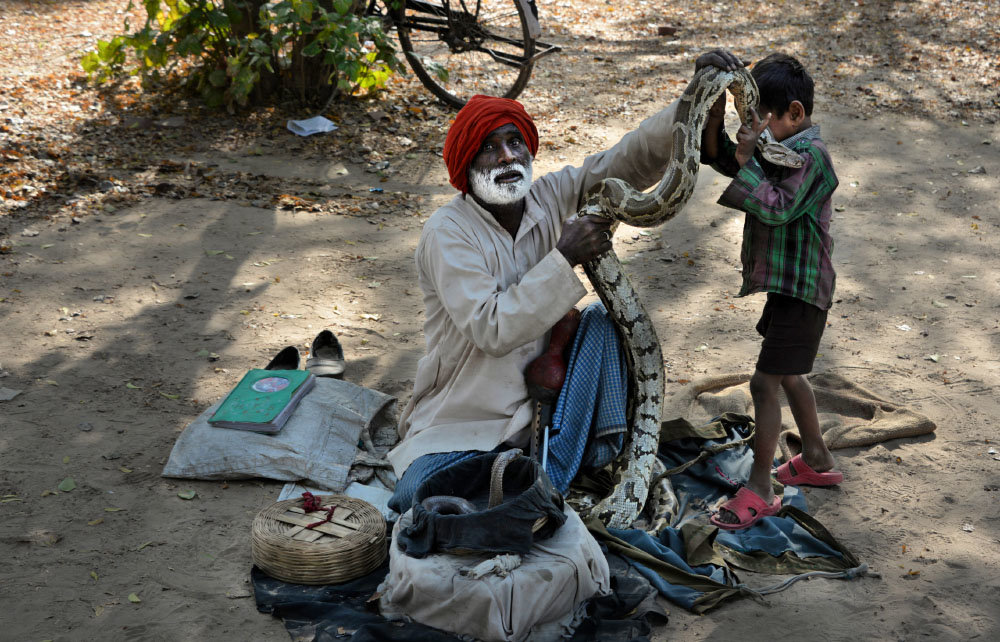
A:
917	281
105	324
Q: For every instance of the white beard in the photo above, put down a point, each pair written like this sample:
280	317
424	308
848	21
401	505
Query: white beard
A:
485	187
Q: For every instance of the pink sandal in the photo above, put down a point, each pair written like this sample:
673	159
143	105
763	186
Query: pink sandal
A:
748	507
796	472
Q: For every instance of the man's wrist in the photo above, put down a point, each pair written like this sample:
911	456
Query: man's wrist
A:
566	256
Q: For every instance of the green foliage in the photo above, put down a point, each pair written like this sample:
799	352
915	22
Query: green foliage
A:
234	52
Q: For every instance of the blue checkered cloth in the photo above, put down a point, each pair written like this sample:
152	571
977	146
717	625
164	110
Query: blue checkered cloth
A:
420	469
588	423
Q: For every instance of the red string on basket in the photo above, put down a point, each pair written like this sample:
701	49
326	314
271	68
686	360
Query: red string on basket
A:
310	502
329	516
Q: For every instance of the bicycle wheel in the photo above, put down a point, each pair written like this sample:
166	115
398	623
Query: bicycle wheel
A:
459	48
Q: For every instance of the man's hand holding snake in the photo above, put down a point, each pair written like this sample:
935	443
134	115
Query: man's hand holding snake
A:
585	238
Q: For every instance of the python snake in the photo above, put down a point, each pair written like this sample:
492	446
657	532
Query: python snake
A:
615	199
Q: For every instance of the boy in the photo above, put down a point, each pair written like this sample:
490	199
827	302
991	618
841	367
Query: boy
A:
786	253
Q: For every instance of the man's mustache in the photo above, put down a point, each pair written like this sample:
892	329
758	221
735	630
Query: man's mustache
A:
497	172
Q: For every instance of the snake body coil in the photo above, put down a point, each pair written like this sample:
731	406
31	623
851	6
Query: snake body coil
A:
614	198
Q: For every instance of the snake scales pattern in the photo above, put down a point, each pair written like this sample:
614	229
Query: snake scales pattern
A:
614	198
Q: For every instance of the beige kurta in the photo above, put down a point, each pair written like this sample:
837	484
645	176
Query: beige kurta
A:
491	301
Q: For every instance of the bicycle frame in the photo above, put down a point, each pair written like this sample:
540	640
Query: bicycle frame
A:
464	31
461	31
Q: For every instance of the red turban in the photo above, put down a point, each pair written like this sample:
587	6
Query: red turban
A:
480	116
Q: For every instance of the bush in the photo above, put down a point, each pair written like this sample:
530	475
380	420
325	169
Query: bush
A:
234	52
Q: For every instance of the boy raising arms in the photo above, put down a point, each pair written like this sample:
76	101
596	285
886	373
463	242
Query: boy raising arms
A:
786	253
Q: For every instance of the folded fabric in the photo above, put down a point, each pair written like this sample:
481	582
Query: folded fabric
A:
550	587
326	612
849	415
317	445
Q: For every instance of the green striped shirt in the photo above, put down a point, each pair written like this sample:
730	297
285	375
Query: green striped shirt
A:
787	245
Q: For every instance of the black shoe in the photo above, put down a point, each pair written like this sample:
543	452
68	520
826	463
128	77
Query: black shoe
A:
327	357
287	359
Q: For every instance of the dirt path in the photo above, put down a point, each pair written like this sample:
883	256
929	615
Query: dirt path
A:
209	235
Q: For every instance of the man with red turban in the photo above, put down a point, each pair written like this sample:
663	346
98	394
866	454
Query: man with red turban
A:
496	268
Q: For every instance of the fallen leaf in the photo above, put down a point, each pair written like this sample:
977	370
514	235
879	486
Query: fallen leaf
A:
145	236
95	522
170	396
132	386
98	610
187	494
933	357
133	598
125	470
93	574
143	545
214	252
66	485
66	459
112	509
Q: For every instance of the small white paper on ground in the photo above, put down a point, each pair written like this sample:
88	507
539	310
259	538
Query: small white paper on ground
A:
6	394
310	126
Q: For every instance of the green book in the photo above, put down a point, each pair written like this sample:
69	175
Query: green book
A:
263	400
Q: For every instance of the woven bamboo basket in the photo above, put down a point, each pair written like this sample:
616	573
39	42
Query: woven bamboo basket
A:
347	546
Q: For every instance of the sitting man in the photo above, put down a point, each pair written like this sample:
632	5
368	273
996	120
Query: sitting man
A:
496	268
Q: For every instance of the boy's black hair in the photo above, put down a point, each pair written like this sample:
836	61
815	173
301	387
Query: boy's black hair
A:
782	79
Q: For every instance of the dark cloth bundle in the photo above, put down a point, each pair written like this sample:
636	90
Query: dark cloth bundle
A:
528	496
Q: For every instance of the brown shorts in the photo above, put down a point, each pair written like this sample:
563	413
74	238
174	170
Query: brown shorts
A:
791	329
